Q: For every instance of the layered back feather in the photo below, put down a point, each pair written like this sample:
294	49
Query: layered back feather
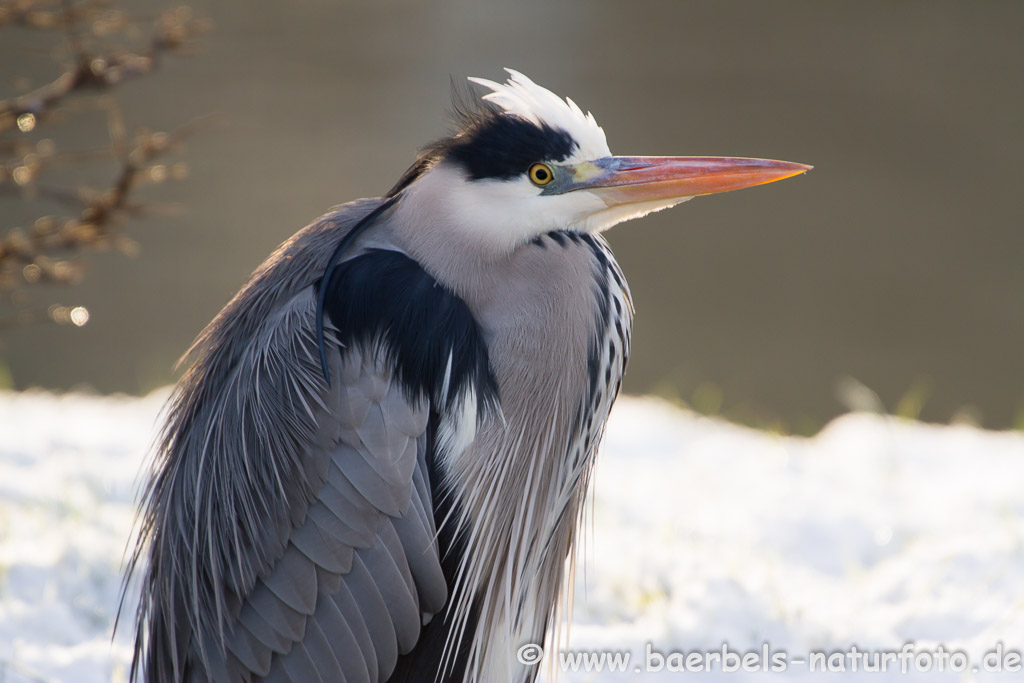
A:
229	469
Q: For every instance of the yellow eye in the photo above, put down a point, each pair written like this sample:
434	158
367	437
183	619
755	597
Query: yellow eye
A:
541	174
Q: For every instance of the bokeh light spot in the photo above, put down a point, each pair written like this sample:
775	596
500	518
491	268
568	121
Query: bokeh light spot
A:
26	122
22	175
79	315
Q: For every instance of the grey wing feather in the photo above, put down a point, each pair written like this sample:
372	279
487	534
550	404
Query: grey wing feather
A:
401	604
346	612
422	559
293	581
267	637
318	557
284	620
334	555
346	647
368	597
326	654
367	493
296	666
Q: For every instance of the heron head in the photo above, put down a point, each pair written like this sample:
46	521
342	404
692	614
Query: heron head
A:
525	162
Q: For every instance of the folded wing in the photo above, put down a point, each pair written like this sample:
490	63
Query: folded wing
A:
291	524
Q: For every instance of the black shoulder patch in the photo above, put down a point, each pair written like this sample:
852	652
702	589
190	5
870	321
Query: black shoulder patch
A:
385	295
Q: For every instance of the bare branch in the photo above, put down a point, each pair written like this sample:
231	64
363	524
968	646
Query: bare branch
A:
50	251
171	31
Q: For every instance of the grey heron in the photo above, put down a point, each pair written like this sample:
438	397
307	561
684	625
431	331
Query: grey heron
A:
375	465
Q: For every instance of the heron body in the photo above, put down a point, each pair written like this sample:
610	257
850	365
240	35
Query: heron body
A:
392	494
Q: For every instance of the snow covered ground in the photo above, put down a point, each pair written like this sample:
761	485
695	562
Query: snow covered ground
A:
872	534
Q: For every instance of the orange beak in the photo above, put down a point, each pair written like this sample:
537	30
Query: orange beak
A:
631	180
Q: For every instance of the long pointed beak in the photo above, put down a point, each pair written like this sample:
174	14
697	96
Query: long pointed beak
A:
630	180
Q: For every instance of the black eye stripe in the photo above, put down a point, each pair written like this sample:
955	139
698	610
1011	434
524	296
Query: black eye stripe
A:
504	147
493	145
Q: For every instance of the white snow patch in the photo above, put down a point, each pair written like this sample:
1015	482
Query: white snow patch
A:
876	532
68	472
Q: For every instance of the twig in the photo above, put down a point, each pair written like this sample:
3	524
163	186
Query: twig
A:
97	218
46	252
172	30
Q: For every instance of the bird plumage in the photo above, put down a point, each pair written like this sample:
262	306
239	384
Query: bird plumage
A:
375	466
256	550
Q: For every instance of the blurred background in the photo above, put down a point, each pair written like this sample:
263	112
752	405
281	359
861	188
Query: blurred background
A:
890	277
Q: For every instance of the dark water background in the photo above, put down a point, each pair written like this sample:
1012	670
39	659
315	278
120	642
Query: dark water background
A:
899	261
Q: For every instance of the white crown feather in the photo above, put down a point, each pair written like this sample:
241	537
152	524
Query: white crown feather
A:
522	97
